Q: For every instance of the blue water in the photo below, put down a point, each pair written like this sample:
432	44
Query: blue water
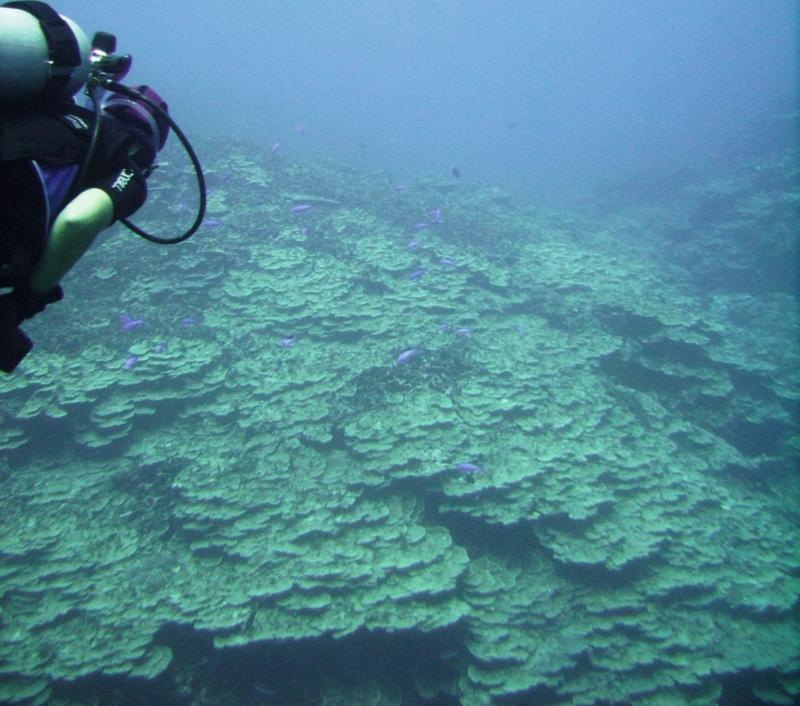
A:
538	98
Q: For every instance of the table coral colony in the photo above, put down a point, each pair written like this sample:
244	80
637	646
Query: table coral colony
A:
554	457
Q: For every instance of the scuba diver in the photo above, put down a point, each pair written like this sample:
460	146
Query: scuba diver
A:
67	172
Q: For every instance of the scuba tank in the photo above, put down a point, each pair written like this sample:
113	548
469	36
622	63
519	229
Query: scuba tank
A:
44	57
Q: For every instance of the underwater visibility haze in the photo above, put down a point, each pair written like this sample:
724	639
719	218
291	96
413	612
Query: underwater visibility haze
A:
540	98
479	383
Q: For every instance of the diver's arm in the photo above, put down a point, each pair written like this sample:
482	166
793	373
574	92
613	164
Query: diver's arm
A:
73	231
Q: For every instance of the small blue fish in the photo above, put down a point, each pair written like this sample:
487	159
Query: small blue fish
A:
300	130
436	215
212	223
464	331
416	274
302	207
130	362
128	324
469	468
275	147
288	342
413	245
420	226
188	321
447	262
399	187
160	347
405	356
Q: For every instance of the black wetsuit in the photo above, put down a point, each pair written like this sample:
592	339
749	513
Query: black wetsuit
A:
40	156
40	159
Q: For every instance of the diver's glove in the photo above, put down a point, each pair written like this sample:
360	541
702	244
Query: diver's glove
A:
14	346
15	306
23	303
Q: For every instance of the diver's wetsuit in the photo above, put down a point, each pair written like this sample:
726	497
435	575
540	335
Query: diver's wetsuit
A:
40	156
40	159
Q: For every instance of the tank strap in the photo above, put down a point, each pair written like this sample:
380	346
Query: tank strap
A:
65	52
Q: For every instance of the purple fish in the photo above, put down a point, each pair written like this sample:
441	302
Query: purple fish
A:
188	321
416	274
275	147
130	362
443	327
212	222
160	347
420	226
436	215
302	207
413	245
288	342
464	331
400	187
405	356
128	324
300	130
447	262
468	468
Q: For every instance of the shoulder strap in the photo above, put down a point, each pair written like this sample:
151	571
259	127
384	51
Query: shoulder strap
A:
57	139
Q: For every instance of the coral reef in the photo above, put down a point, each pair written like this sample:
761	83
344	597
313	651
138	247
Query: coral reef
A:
582	483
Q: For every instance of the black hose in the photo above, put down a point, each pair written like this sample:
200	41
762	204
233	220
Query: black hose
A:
115	87
77	185
198	170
